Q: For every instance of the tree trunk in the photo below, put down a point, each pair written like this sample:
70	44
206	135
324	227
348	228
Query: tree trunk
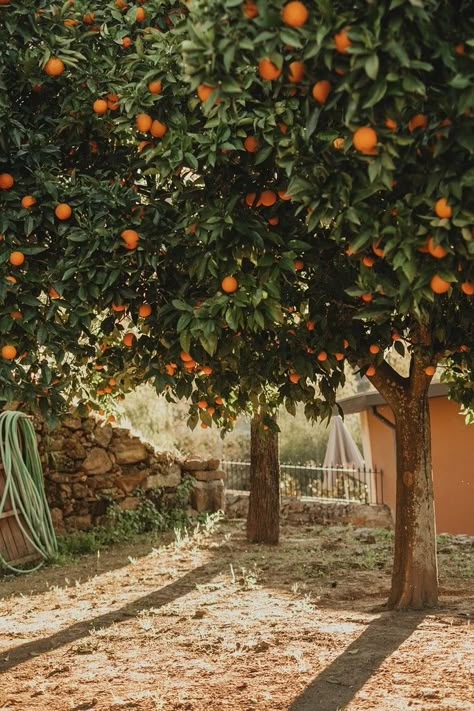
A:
263	520
414	578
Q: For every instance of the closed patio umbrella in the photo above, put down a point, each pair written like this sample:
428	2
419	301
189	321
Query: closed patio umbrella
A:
341	451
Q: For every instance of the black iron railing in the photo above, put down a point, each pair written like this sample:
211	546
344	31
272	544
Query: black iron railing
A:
304	480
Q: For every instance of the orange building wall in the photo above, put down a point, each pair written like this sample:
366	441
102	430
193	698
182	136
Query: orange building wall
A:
453	463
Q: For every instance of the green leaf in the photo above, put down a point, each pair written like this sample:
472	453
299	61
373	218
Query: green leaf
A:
372	66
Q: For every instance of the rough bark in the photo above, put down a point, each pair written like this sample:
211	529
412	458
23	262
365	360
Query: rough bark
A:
263	520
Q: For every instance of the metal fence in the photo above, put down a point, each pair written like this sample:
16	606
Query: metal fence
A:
304	480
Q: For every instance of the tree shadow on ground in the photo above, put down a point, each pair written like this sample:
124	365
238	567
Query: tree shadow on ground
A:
339	682
158	598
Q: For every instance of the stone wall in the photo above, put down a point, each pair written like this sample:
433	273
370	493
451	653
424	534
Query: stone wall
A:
87	464
295	510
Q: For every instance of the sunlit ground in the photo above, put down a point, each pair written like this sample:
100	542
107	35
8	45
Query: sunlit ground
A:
208	622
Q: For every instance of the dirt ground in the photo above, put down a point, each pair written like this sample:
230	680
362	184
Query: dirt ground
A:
209	623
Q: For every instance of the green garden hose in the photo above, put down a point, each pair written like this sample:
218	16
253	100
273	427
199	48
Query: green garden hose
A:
25	486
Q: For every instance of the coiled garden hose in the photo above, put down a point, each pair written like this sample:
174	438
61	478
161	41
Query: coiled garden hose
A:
25	485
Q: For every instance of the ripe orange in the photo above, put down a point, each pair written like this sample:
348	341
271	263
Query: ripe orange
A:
364	140
63	211
430	370
268	70
267	198
154	87
273	220
6	181
417	121
140	14
436	250
128	339
296	72
370	371
53	294
310	325
158	129
144	310
298	264
204	426
439	285
229	284
250	199
459	48
283	128
143	122
467	287
9	352
202	404
391	124
190	365
250	9
367	298
338	144
185	357
251	144
442	209
321	91
218	401
206	370
89	18
374	348
100	106
368	261
130	238
118	308
15	315
294	14
28	201
376	249
126	42
342	41
283	195
16	258
54	67
211	410
339	356
204	91
322	356
294	377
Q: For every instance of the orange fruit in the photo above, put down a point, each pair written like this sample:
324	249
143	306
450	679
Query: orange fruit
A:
126	42
202	404
185	357
118	308
298	264
206	370
218	401
321	90
251	144
342	41
250	199
322	356
283	128
211	410
250	9
89	18
154	87
53	294
338	144
391	124
294	377
229	284
128	339
364	140
283	195
442	209
374	348
376	249
273	220
268	70
370	371
267	198
158	129
16	315
6	181
467	287
204	91
144	310
439	285
436	250
294	14
368	261
63	211
296	72
143	122
459	48
9	352
430	370
140	14
28	201
54	67
339	356
130	238
16	258
204	426
310	325
367	298
190	365
417	121
100	106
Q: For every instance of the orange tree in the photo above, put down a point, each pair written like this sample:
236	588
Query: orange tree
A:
364	110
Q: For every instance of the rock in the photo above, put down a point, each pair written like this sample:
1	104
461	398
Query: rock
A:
55	444
97	461
129	452
171	477
57	518
103	435
208	496
75	449
131	478
208	475
79	491
194	464
130	503
213	464
365	535
78	523
72	423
